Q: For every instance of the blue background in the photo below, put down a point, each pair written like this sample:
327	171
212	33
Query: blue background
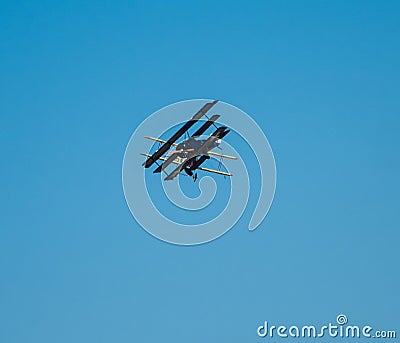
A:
320	77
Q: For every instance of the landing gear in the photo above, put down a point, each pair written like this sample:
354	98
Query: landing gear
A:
188	171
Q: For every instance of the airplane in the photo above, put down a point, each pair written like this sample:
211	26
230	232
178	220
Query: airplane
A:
192	152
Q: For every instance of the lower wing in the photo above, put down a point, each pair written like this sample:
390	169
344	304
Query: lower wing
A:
200	168
158	140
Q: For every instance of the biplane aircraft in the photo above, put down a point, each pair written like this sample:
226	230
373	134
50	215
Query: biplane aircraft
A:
192	152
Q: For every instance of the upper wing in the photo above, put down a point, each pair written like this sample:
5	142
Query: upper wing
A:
165	147
159	140
206	125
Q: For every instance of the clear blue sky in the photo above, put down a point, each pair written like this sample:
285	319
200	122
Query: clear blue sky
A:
322	80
